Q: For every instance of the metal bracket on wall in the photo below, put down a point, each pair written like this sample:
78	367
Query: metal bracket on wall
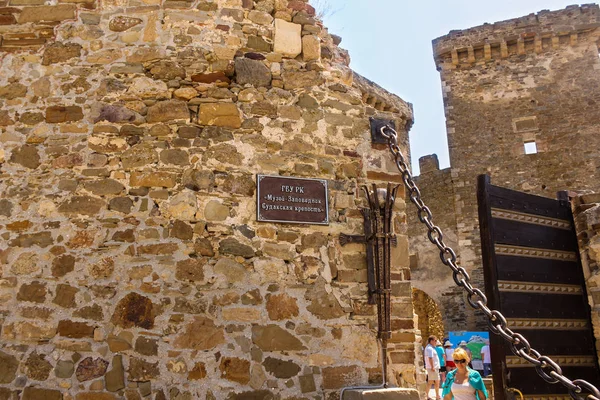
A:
379	237
376	125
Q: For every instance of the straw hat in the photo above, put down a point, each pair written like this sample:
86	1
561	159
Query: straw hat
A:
462	343
447	344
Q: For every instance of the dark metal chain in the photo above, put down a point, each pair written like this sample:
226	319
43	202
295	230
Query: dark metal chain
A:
549	370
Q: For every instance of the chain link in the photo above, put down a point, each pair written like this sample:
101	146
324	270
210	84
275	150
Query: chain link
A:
549	370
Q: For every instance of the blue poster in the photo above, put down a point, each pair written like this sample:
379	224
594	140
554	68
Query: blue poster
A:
473	341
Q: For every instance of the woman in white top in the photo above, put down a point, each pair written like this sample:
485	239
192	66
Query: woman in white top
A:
463	383
449	360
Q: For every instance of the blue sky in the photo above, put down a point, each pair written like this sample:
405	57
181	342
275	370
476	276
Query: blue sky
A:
390	43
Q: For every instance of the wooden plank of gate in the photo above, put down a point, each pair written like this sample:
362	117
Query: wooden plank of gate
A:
490	277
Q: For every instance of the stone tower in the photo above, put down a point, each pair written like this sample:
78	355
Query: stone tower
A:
132	264
521	103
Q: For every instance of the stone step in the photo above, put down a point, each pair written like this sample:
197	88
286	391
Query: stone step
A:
381	394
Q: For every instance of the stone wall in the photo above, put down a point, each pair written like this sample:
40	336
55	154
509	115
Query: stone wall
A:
428	272
132	265
586	214
530	79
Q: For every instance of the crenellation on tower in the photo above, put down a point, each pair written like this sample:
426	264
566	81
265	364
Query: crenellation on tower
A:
535	33
429	163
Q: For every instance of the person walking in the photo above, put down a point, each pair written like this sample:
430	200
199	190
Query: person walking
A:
463	345
486	358
442	357
463	383
449	360
432	364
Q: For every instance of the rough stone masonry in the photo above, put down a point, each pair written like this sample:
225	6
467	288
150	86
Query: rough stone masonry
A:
131	262
586	213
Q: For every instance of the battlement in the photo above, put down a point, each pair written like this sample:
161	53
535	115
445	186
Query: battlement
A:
429	163
383	100
535	32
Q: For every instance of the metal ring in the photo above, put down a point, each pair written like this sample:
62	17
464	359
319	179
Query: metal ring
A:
401	164
533	359
564	381
410	184
468	287
439	243
544	375
493	327
420	204
438	233
478	293
520	343
484	308
429	224
382	131
464	273
547	362
521	353
585	385
448	251
550	364
415	195
426	211
465	276
497	316
505	332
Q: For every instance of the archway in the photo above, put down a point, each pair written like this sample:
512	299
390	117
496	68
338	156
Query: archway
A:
430	320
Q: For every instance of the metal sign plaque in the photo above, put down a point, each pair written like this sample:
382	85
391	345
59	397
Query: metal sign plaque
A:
291	200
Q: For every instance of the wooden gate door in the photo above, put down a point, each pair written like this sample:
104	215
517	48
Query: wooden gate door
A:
533	276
